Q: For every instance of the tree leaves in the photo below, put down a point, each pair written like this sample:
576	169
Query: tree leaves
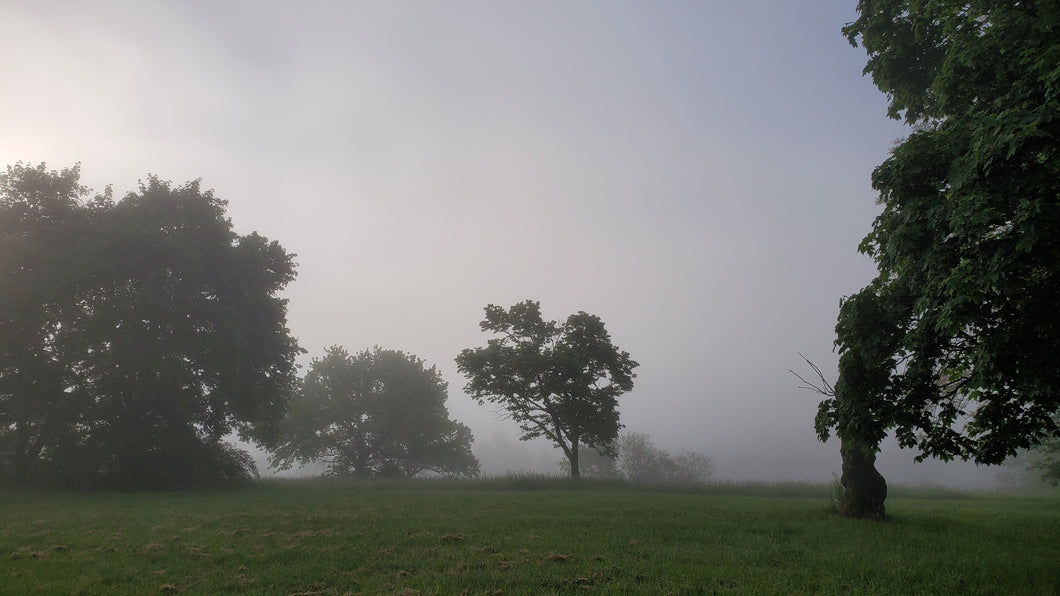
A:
557	381
379	412
141	333
956	344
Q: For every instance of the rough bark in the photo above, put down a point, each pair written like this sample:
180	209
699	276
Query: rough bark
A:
864	488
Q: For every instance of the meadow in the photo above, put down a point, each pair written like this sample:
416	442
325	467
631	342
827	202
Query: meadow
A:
522	536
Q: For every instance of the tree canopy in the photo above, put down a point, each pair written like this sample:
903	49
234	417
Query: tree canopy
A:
378	412
135	335
955	346
556	381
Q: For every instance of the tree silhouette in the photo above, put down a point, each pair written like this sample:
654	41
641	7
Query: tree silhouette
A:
135	335
379	412
556	381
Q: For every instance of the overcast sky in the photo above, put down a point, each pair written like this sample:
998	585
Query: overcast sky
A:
695	173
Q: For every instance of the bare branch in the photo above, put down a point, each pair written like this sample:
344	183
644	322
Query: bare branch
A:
822	386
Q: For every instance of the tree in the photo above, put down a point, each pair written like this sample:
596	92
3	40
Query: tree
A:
639	460
136	335
379	412
691	467
593	464
955	346
556	381
38	209
1046	457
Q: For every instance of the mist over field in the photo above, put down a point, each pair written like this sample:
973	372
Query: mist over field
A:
695	174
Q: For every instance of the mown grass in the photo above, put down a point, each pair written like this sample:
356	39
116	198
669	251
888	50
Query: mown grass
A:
515	537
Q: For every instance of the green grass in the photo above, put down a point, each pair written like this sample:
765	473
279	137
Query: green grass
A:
515	536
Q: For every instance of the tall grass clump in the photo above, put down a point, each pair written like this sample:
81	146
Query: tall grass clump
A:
836	495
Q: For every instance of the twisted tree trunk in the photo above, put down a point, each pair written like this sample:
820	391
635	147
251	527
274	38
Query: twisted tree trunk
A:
864	488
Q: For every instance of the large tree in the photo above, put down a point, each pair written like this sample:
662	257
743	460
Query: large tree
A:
556	381
955	346
42	218
135	335
378	412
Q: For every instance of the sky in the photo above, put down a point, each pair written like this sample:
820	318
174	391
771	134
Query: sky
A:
695	173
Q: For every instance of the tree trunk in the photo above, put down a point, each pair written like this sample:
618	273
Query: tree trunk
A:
575	472
864	488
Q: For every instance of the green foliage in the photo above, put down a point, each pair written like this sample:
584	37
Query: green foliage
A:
691	467
556	381
640	461
390	537
836	495
955	346
1049	463
1046	459
593	464
135	335
379	412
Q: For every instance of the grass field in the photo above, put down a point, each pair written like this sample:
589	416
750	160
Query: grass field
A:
522	537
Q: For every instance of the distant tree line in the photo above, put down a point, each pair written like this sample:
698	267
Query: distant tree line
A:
139	335
636	458
1045	458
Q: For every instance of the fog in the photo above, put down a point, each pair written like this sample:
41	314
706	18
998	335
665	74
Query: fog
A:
695	173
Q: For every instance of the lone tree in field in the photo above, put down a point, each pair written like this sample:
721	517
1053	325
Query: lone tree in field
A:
955	346
135	335
379	412
556	381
